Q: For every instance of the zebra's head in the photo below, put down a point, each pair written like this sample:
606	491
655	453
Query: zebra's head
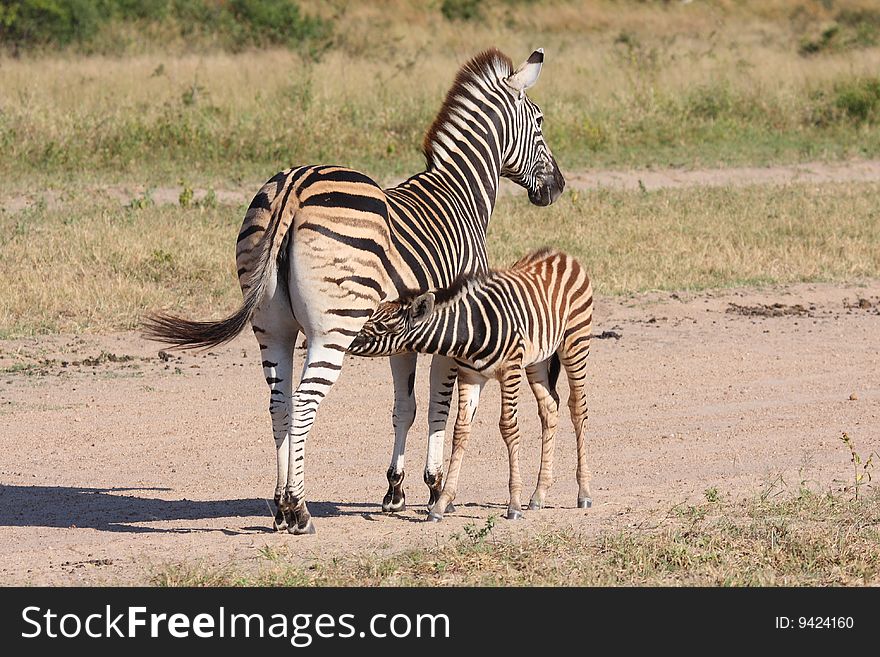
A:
527	160
487	113
387	331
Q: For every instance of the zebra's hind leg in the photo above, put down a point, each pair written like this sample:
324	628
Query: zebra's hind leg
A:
403	374
443	375
548	409
276	332
321	369
574	359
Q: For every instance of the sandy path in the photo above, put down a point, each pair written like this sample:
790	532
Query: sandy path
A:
112	467
648	179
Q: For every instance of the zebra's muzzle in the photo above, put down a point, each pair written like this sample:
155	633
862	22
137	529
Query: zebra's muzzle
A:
549	188
547	192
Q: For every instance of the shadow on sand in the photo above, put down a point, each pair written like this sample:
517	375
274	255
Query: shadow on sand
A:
121	509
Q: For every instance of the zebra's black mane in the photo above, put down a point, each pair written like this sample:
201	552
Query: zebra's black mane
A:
484	64
465	281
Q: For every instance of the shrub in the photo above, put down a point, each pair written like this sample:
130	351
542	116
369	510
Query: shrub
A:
859	99
237	23
461	10
43	22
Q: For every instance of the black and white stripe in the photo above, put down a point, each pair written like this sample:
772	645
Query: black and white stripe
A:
526	320
322	246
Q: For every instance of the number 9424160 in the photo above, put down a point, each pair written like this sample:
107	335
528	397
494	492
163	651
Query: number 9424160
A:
825	622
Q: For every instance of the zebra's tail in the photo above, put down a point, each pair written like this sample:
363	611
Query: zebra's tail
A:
190	334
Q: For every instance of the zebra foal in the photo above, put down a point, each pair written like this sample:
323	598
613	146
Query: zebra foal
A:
525	320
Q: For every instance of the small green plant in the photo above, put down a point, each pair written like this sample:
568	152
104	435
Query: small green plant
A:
271	553
186	195
479	535
712	495
861	467
192	94
209	200
142	202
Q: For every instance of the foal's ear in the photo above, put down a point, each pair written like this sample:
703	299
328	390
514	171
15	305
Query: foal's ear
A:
527	74
421	308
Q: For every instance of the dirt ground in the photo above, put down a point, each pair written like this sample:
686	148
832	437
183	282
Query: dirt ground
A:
118	460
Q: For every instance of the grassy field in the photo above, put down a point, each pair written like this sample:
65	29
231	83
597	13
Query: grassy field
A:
93	265
625	84
777	538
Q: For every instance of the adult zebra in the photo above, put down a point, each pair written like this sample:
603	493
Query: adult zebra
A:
322	246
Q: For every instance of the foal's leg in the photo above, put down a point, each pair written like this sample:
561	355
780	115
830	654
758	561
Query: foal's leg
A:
574	358
548	410
511	378
470	385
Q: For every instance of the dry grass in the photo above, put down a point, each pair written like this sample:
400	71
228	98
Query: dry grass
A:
625	83
93	265
802	539
106	264
702	238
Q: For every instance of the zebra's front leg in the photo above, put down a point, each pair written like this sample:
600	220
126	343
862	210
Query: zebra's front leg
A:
443	375
321	369
470	385
510	383
403	373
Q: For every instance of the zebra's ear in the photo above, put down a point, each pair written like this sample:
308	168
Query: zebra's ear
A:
421	308
527	74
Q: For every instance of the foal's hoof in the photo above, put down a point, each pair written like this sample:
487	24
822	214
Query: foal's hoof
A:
279	524
433	516
513	514
450	508
535	505
585	502
296	530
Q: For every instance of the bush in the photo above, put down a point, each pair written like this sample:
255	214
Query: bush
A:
237	23
48	22
276	22
859	99
461	10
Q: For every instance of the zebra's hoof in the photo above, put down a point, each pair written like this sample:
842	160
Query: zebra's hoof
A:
535	505
450	508
585	502
279	525
513	514
390	506
433	516
296	530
